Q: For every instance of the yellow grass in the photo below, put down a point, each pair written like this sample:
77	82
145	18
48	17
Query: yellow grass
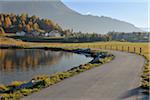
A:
9	41
121	46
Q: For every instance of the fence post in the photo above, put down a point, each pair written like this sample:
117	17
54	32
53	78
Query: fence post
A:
122	48
140	50
128	49
134	50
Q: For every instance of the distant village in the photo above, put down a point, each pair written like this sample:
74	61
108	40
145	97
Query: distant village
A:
53	33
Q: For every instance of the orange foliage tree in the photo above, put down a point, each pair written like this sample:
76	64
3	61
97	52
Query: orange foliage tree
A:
7	21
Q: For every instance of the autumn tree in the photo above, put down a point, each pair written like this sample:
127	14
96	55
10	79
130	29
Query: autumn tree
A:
23	16
57	27
20	27
28	28
2	30
1	17
34	18
35	26
0	23
7	21
30	23
49	22
14	20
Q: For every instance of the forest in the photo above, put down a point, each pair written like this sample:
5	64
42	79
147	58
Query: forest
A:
12	23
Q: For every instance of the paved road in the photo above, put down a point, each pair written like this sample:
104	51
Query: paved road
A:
116	80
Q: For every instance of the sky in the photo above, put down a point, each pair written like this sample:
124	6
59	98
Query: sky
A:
133	11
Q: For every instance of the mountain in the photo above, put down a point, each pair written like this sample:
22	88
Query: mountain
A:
66	17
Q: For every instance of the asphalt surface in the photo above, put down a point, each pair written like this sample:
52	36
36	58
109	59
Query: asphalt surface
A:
116	80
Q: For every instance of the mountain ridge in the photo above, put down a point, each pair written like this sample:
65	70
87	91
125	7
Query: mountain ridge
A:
66	17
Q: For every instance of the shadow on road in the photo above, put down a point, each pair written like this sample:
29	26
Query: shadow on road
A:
135	92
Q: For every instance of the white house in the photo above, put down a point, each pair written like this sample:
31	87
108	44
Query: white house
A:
34	33
53	33
22	33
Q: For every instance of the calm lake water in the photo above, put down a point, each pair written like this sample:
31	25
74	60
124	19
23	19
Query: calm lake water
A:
20	65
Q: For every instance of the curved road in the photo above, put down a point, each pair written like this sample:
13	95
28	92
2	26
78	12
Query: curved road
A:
116	80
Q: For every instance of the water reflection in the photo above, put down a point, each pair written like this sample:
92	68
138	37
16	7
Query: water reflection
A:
22	64
27	59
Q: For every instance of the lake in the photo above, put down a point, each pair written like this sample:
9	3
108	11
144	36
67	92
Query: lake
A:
24	64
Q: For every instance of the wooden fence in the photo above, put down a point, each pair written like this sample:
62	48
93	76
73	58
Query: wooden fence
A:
121	48
132	49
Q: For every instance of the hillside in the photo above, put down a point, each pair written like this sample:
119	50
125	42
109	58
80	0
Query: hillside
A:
66	17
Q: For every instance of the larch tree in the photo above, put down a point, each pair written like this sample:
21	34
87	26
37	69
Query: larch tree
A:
24	16
28	28
8	22
35	26
2	30
0	23
14	20
57	27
